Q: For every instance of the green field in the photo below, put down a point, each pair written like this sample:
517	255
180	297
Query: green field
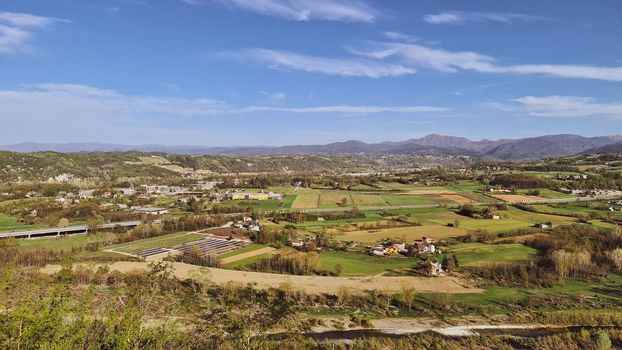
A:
247	261
9	223
472	254
157	242
546	193
409	233
359	264
407	199
368	200
246	249
65	243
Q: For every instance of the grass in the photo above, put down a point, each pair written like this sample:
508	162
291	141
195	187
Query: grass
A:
496	298
289	200
9	223
64	243
368	200
266	205
473	254
406	199
247	261
306	201
157	242
333	199
409	233
358	264
546	193
369	217
246	249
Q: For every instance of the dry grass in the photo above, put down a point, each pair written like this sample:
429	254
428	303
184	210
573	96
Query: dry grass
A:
457	198
515	197
305	201
309	284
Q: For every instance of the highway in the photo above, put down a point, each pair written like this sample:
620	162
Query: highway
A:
70	230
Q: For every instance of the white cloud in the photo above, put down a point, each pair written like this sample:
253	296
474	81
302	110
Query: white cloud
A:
307	10
351	67
276	97
347	109
455	17
414	55
75	105
17	29
569	107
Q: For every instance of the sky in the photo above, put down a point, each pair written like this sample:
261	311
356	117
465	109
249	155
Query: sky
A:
282	72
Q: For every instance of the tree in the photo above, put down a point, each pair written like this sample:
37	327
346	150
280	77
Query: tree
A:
409	295
601	341
338	269
616	257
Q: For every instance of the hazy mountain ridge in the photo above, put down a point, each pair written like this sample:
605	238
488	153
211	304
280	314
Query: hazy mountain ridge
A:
433	144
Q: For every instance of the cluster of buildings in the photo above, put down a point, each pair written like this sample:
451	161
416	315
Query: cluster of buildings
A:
247	223
420	248
258	196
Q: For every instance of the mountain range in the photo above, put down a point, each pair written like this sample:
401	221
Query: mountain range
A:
531	148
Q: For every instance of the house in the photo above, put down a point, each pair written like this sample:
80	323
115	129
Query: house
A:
86	194
126	191
545	225
296	243
495	217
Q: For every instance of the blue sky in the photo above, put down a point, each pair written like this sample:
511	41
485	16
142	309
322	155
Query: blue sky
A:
276	72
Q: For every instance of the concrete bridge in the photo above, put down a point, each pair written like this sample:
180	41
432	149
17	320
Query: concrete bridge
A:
58	231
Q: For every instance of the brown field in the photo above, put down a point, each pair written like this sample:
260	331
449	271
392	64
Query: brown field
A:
309	284
305	201
410	233
430	191
457	198
234	258
515	197
368	200
331	199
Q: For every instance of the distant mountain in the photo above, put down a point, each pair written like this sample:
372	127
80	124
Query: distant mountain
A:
613	148
434	144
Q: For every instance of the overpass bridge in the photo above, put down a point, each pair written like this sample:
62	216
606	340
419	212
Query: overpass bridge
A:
70	230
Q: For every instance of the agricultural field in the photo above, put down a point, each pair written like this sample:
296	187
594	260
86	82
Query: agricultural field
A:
333	199
9	223
404	199
305	201
65	243
359	264
368	200
475	254
409	233
515	197
546	193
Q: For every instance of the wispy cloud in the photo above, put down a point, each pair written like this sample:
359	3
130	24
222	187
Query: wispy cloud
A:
456	17
305	10
274	97
17	29
568	107
350	67
68	104
413	55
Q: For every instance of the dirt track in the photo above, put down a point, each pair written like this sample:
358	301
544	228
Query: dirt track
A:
266	250
310	284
